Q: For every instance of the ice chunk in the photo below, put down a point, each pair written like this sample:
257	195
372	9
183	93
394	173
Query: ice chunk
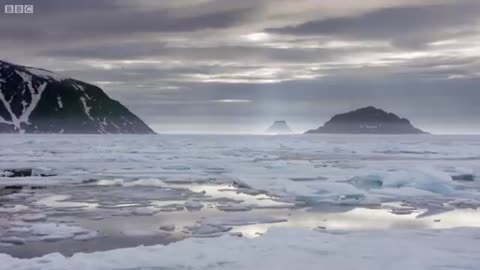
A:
34	217
19	229
86	236
13	240
207	229
13	209
19	172
150	182
193	205
367	182
56	232
114	182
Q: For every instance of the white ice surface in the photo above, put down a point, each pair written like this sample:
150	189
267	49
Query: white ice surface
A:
284	249
144	173
342	169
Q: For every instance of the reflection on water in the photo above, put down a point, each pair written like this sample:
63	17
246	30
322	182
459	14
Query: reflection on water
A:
60	201
368	219
219	192
179	211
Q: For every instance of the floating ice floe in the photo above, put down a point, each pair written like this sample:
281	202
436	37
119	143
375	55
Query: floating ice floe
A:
34	217
13	240
86	236
13	208
193	205
207	229
56	232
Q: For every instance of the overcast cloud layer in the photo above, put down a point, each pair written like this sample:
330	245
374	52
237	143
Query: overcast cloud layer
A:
236	66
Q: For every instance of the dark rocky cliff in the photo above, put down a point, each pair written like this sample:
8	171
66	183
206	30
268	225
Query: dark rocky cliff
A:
34	100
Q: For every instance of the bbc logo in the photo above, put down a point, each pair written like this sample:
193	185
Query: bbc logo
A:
19	9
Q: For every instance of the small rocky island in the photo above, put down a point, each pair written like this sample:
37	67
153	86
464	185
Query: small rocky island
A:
279	127
368	120
34	100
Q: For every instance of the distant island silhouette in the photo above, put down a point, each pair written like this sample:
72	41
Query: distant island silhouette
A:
279	127
368	120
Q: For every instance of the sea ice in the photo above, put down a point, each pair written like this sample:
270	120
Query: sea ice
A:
341	175
283	249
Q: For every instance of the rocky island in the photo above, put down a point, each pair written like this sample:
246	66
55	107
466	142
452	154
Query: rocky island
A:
279	127
368	120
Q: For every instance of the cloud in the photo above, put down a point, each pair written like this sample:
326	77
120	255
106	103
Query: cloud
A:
62	21
212	63
403	25
232	100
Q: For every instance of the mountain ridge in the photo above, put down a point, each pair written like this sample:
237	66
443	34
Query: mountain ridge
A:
36	100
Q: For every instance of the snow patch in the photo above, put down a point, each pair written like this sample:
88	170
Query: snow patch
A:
59	102
86	108
36	94
45	74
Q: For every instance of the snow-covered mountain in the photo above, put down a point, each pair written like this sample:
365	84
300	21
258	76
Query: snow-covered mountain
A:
34	100
368	120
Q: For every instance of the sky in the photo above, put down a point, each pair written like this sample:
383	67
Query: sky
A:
231	66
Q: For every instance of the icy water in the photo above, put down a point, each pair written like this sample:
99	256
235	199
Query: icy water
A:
93	193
